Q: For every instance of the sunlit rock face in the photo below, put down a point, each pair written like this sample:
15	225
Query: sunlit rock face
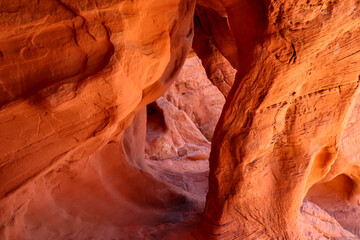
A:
72	76
193	93
286	120
75	79
171	134
339	193
315	223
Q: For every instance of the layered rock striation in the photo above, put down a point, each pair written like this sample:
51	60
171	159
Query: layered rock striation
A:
73	74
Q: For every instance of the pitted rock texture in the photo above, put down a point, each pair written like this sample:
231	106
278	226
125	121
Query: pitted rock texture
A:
281	128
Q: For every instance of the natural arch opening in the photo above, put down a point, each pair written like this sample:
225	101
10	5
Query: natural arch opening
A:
339	198
179	129
73	90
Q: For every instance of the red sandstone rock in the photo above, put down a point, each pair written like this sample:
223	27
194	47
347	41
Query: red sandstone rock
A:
71	108
215	46
73	74
193	93
281	129
103	197
317	224
171	134
338	193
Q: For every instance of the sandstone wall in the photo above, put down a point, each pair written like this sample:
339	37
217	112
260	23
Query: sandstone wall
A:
75	77
72	76
281	129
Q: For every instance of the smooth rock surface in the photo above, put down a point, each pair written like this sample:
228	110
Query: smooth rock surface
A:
52	103
73	74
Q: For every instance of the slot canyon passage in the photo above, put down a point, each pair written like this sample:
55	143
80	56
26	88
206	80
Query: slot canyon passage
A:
179	119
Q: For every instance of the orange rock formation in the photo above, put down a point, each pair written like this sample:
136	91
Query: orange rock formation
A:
75	79
73	75
281	129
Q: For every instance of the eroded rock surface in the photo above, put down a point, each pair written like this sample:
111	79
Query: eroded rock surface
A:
318	224
75	77
338	193
215	45
72	76
193	93
171	134
281	129
77	110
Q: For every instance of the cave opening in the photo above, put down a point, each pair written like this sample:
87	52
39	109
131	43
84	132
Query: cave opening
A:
179	129
96	144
